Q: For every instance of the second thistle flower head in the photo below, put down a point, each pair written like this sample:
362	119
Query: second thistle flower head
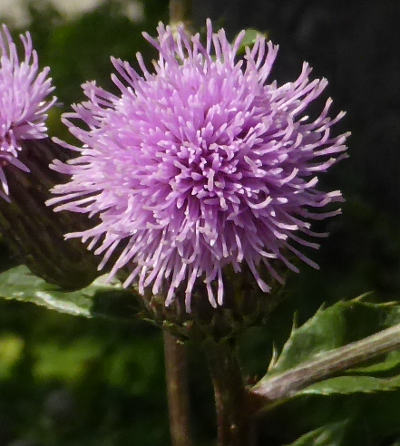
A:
23	104
199	164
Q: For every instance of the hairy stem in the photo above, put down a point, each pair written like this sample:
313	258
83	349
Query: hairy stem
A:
179	11
232	420
288	383
177	390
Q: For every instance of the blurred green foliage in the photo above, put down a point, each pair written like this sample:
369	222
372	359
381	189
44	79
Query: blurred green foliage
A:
69	381
72	381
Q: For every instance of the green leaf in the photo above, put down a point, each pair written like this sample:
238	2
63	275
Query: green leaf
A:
329	344
351	384
332	434
390	364
99	299
334	327
370	418
371	413
249	39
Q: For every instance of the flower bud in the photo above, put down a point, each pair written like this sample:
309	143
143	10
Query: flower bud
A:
34	232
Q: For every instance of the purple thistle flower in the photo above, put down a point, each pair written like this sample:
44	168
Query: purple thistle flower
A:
23	108
200	164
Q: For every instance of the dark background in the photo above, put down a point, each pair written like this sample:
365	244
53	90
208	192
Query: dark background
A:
73	382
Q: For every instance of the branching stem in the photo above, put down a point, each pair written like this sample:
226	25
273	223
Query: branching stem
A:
337	360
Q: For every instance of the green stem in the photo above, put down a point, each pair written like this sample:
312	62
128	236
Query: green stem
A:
177	390
287	384
232	419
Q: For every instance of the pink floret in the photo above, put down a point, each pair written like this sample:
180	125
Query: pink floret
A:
199	164
23	104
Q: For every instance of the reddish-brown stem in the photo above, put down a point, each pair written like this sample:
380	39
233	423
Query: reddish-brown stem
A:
177	390
230	398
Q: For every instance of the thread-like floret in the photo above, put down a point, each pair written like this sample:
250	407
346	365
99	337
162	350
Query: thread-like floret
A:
23	104
200	163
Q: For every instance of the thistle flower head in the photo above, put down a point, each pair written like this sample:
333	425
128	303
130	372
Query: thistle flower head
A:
23	104
200	163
